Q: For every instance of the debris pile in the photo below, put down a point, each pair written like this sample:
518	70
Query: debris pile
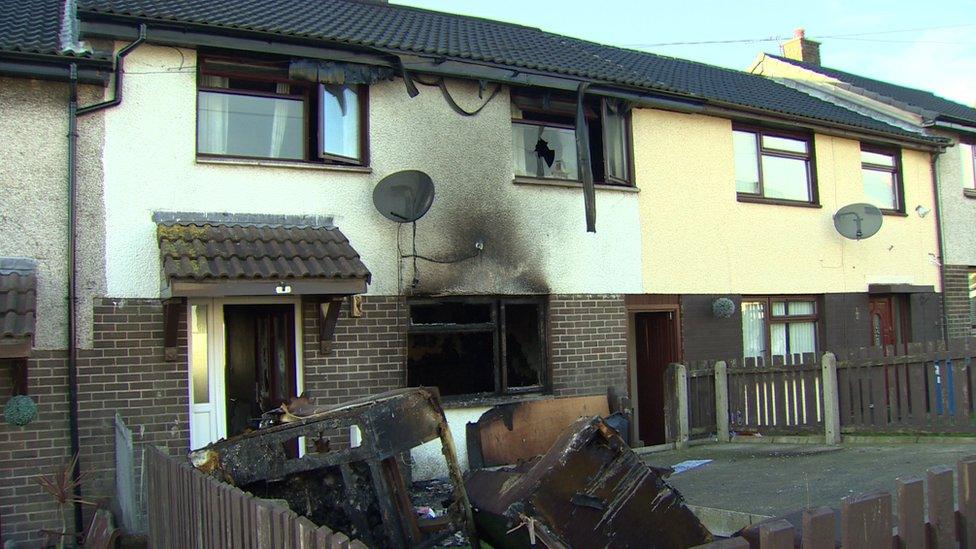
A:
359	490
577	483
589	490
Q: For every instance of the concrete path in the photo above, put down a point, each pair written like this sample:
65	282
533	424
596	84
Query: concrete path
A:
775	479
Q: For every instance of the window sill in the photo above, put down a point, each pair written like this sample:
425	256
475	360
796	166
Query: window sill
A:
775	201
969	193
894	213
292	164
569	184
478	401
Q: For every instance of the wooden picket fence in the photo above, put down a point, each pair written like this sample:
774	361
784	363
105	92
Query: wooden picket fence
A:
776	399
918	389
866	521
188	509
925	389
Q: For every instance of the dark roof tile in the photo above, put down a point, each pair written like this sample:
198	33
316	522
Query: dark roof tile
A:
413	30
201	251
914	97
31	26
18	297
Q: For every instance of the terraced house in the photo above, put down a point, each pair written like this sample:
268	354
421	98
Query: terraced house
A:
923	112
591	204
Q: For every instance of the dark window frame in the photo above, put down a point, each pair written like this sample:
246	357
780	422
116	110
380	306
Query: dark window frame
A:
895	170
809	157
496	326
769	318
563	107
970	276
314	153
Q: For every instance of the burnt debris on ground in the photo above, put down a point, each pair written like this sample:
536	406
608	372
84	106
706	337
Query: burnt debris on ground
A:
575	482
360	490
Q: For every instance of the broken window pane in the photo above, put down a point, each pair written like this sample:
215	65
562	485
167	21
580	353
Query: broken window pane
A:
544	151
477	346
524	359
450	313
455	363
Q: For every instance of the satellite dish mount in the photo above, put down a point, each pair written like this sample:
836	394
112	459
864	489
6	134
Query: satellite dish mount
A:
858	221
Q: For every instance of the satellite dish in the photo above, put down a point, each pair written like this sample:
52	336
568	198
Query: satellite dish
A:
404	196
857	221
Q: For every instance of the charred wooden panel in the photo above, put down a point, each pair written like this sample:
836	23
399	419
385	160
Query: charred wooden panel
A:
589	490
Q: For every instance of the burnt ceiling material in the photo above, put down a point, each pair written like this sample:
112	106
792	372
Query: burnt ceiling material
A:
18	297
256	248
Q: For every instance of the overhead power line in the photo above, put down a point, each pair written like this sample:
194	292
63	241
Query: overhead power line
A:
848	36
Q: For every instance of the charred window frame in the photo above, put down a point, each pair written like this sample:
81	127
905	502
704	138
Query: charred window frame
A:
478	346
255	83
881	176
780	329
758	150
542	120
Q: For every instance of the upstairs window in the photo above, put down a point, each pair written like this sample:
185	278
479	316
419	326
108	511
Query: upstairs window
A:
773	165
881	175
544	138
254	109
780	330
477	346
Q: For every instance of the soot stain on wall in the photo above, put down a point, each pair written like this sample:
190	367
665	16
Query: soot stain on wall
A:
510	263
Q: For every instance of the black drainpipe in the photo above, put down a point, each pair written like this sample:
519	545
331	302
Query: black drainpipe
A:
74	111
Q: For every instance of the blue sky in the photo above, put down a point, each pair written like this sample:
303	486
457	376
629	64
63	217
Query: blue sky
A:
941	58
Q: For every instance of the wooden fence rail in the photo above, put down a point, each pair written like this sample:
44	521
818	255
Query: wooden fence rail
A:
188	509
866	521
924	389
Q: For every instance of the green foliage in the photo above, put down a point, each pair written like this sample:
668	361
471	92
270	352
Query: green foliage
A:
20	410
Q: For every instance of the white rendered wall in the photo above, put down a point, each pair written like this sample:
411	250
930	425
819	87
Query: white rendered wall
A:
955	167
535	239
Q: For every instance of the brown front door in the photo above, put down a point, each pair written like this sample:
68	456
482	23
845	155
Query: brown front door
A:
890	325
260	346
882	322
656	339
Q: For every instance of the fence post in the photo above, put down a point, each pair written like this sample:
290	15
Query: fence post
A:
722	401
830	404
681	388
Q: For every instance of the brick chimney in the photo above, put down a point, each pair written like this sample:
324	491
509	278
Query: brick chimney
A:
801	49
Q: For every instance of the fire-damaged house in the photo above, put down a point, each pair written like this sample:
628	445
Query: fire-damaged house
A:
226	243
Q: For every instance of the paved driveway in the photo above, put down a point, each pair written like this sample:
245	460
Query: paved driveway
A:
774	479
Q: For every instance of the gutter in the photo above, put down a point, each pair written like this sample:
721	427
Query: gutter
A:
74	112
52	67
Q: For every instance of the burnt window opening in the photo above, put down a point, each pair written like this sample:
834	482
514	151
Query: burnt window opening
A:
544	137
478	346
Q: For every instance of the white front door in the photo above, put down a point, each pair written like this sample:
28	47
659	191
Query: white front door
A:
206	333
207	364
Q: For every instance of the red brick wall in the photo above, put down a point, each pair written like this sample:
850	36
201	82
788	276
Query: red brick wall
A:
588	344
38	448
126	372
957	301
368	353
